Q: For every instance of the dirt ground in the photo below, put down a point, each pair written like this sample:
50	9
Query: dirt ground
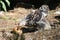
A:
8	20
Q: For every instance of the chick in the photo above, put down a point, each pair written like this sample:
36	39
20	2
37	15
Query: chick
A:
18	29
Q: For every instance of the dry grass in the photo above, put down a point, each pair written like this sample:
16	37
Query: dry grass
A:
9	20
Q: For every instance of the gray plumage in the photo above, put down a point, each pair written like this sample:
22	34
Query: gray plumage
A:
38	18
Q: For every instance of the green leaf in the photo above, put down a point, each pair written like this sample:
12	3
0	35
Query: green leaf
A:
7	2
3	5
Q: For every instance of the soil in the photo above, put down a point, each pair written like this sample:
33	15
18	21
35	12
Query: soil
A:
10	19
